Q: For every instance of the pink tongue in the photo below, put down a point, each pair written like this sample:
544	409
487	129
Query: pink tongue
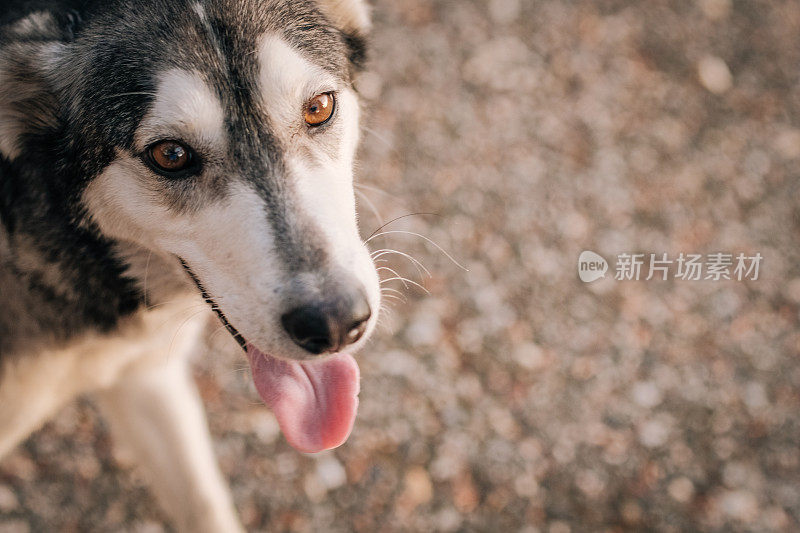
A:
315	402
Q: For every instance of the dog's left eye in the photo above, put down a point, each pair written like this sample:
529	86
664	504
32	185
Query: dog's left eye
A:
171	158
319	109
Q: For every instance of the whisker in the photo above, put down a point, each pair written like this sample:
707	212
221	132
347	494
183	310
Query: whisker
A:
378	136
383	315
389	289
170	302
186	321
417	263
375	189
450	257
394	297
392	271
385	310
399	218
240	368
219	328
370	205
406	280
146	270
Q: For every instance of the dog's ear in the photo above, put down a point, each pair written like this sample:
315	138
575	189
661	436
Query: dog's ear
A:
352	18
28	106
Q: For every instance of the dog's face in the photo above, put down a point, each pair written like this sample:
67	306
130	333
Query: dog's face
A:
249	181
242	167
222	133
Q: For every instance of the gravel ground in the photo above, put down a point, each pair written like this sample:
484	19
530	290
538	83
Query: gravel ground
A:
515	397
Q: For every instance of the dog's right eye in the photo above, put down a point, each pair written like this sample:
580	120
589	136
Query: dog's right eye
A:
171	159
319	109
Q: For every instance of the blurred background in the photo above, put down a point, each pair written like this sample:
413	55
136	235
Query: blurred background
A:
515	397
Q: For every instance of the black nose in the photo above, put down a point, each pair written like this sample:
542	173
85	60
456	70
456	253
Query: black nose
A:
328	326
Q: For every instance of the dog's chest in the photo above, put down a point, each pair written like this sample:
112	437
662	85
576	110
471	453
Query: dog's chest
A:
95	361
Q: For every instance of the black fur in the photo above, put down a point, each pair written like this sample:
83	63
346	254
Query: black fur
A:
357	44
58	275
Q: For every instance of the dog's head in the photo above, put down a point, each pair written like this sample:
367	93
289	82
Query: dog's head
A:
222	133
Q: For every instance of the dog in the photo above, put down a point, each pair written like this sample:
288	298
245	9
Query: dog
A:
158	158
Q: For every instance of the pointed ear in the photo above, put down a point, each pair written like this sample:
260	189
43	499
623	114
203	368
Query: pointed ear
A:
351	17
28	105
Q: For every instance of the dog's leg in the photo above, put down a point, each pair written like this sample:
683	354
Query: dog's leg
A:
34	386
156	412
30	392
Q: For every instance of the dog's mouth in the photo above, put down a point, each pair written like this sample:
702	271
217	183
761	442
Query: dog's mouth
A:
315	402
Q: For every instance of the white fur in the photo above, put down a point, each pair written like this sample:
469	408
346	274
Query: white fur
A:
287	80
39	22
185	107
200	10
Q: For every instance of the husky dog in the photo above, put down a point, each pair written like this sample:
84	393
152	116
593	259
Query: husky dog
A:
159	157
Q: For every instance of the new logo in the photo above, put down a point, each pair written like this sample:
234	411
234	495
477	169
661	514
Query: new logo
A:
591	266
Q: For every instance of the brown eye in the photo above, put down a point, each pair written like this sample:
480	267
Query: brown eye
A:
171	158
319	109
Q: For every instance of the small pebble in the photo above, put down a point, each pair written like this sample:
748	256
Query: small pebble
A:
714	74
